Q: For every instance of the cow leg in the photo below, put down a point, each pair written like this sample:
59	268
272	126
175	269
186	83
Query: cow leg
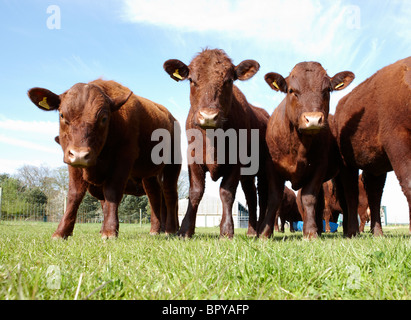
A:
292	225
275	195
262	189
362	212
319	210
113	190
155	195
228	188
343	203
97	192
250	192
76	192
347	189
170	182
163	213
102	209
197	185
282	220
374	186
327	215
313	202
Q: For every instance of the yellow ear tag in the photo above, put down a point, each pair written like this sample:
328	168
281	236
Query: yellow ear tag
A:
44	104
339	85
177	75
276	85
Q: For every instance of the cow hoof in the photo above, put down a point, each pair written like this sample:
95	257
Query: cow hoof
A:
263	237
185	235
106	235
377	232
351	234
251	233
58	236
266	232
154	233
310	236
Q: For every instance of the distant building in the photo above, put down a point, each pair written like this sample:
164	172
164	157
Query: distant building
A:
210	211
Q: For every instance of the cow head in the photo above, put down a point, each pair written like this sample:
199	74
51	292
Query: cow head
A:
84	112
211	74
308	89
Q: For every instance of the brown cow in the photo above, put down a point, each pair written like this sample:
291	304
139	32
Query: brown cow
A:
219	105
288	210
332	207
105	134
300	142
372	125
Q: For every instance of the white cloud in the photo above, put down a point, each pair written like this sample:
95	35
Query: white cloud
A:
27	144
38	127
300	24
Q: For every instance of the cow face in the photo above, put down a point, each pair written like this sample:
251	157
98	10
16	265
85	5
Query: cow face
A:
211	74
308	90
84	113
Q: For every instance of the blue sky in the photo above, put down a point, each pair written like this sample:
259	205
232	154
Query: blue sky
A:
128	41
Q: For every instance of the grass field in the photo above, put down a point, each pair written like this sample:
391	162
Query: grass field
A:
140	266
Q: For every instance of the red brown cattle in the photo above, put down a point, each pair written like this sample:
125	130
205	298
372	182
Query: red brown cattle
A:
105	134
288	210
217	105
332	207
372	125
300	142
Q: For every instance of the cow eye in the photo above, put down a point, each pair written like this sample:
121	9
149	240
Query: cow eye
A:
104	120
192	82
293	92
63	119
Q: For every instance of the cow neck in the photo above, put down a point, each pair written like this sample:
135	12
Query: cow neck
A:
301	159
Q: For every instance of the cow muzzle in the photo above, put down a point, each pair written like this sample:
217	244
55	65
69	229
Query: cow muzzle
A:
208	118
311	122
79	157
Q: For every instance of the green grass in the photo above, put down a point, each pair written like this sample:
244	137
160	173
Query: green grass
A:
140	266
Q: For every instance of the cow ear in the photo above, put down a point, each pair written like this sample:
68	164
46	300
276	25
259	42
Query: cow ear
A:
176	69
118	102
44	99
276	82
246	69
342	80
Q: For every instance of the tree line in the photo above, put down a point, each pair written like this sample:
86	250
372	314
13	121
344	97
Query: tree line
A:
41	191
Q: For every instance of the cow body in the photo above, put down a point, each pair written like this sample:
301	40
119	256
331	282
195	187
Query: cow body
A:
332	207
372	125
288	210
217	104
300	143
105	134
